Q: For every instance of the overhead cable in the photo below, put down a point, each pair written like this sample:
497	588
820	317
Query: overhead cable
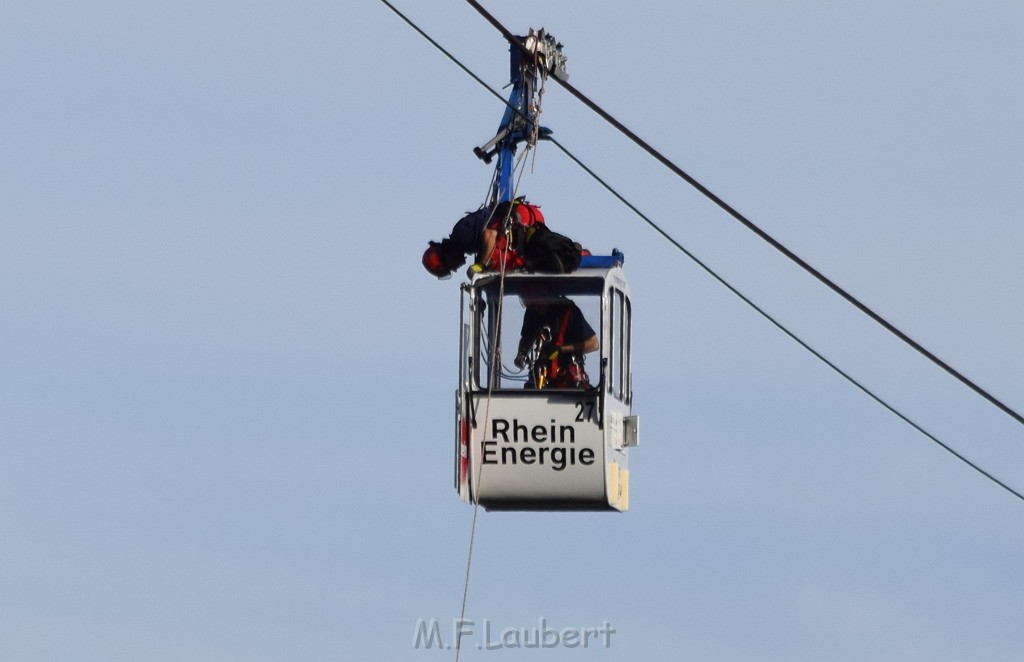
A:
888	326
845	375
720	279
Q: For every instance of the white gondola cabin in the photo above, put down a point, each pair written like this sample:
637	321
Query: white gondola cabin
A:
544	404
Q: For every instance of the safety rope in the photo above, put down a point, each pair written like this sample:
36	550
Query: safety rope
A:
493	359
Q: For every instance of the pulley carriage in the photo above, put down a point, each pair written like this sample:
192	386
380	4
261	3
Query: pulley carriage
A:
544	417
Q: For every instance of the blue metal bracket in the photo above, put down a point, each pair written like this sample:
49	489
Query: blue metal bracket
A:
536	55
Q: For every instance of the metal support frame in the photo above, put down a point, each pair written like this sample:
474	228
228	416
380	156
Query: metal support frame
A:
537	55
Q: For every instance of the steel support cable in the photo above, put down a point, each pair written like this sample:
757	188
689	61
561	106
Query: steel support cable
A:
721	280
658	156
731	288
446	53
845	375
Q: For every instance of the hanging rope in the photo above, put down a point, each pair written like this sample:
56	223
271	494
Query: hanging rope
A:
494	369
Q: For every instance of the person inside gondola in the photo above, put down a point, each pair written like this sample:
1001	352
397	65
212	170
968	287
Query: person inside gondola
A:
556	335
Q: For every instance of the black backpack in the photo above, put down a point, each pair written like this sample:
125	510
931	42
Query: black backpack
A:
546	251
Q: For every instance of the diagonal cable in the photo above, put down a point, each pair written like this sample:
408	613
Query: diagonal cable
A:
845	375
665	161
730	287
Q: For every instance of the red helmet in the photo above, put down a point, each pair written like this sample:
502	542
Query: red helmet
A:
433	262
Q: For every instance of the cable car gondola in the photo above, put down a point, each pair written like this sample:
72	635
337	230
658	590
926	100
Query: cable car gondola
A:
544	421
537	431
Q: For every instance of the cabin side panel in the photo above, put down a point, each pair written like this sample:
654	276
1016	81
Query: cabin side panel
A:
538	447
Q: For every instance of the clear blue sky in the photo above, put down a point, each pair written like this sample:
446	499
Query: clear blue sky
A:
226	383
